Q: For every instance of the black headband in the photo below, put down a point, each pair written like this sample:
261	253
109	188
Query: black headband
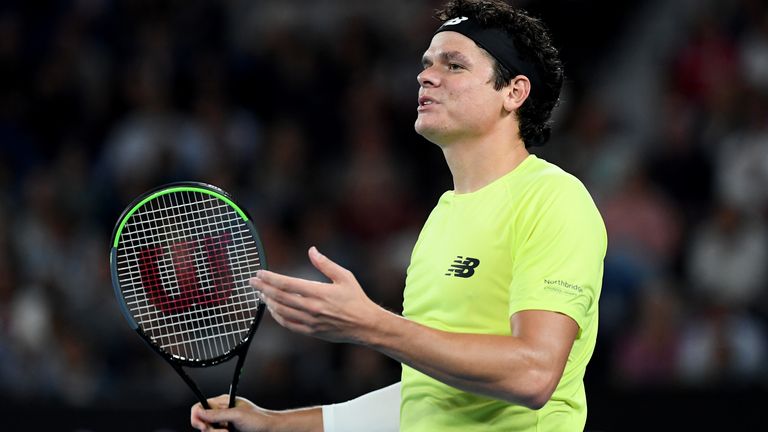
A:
498	44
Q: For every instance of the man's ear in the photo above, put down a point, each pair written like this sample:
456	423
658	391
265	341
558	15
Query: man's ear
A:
516	92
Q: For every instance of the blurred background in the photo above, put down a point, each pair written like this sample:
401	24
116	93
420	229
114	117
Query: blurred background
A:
304	110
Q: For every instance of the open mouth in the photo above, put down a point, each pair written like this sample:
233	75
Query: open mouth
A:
425	101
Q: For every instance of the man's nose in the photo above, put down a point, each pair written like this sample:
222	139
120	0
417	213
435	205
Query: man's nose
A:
428	78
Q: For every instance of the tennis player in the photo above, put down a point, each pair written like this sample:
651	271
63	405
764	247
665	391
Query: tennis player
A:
501	298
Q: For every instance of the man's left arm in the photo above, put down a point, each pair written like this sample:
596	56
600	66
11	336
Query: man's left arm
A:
523	368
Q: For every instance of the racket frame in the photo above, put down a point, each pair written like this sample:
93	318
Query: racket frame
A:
179	362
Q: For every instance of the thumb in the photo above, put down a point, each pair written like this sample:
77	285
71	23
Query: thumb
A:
333	271
220	401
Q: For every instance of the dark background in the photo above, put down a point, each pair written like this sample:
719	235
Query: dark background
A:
304	110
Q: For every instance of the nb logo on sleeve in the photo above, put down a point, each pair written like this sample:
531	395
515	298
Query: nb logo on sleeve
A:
463	267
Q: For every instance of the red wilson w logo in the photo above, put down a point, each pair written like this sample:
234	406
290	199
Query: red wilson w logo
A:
183	256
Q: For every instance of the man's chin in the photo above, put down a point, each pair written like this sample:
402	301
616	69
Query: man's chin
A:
430	133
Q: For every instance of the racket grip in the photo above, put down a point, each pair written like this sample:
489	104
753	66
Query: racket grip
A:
232	400
235	382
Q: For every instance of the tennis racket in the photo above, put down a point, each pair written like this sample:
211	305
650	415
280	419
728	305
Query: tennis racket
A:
181	258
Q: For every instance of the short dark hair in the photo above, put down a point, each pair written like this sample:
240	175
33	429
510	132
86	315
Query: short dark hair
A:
533	41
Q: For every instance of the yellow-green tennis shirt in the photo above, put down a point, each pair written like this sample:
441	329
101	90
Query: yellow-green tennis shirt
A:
532	239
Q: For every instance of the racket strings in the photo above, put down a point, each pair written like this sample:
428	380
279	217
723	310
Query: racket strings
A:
137	290
214	344
171	336
184	263
244	301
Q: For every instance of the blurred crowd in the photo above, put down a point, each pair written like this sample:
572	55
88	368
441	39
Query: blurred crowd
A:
304	111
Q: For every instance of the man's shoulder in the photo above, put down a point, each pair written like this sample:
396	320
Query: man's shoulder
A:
542	176
544	169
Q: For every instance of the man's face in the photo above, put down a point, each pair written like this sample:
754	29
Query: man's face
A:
456	96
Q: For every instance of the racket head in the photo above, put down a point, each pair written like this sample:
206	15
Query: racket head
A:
181	258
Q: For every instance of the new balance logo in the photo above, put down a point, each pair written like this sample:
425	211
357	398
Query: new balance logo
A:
463	267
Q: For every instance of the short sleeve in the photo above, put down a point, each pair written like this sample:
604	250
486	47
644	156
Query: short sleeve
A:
558	251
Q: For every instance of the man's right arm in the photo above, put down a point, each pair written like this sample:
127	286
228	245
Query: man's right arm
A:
377	411
248	417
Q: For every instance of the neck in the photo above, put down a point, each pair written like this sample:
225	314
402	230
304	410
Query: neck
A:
477	163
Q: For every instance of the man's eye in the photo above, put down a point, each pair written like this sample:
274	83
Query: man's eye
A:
454	66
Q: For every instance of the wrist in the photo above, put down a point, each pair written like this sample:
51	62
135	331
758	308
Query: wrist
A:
296	420
273	420
380	329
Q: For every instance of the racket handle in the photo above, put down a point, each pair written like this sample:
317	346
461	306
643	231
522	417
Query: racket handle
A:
230	426
235	382
199	394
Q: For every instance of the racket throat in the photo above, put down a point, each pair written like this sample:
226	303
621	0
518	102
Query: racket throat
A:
191	384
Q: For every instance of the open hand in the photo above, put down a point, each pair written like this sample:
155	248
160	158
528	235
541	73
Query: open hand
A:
338	311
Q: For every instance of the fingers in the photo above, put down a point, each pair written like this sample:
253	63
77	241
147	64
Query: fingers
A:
294	326
333	271
284	283
277	298
294	312
303	287
219	416
194	417
201	419
297	320
272	295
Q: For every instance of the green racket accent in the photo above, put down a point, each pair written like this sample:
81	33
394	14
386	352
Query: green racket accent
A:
172	190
